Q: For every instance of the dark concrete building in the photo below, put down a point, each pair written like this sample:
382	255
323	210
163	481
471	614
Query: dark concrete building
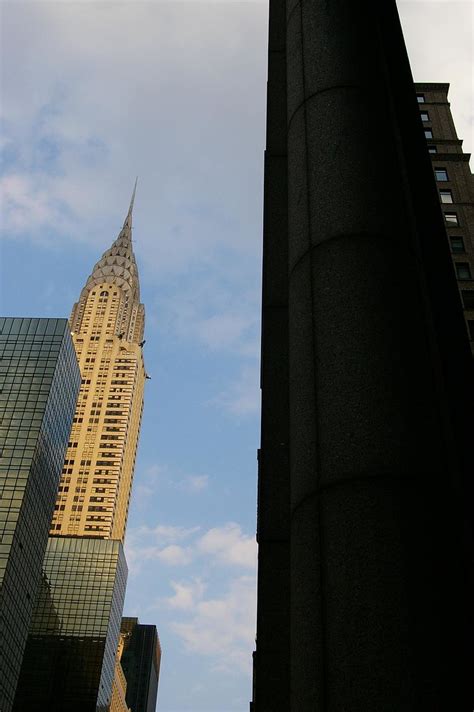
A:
455	188
365	468
70	653
141	658
39	383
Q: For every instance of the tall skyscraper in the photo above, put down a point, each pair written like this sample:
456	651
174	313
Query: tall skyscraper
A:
39	383
70	656
107	325
365	469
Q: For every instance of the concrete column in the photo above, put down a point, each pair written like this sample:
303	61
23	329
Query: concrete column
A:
379	612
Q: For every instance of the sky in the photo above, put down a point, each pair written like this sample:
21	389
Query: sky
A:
93	94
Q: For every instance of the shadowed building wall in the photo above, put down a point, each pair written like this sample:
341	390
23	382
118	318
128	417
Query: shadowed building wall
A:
39	383
371	609
140	660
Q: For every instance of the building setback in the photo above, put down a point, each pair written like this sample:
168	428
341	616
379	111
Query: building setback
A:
84	568
39	383
455	184
365	468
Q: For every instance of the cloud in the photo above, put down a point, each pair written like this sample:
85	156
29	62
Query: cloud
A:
173	555
186	595
220	627
228	545
26	205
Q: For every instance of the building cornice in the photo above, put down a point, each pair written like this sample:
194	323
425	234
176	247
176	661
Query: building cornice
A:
431	86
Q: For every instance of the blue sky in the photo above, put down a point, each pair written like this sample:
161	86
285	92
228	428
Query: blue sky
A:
93	94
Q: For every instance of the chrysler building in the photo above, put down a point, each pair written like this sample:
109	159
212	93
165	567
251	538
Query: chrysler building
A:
107	326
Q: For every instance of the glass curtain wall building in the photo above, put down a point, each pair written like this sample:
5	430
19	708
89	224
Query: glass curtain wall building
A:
39	383
75	624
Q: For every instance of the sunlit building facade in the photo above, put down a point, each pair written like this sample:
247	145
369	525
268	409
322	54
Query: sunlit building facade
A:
107	326
72	666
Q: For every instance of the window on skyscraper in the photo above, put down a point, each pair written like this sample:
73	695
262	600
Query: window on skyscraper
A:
424	116
457	244
441	174
451	219
432	149
420	98
468	299
428	133
446	196
463	270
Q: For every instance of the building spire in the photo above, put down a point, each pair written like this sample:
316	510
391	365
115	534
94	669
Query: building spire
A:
128	219
117	267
